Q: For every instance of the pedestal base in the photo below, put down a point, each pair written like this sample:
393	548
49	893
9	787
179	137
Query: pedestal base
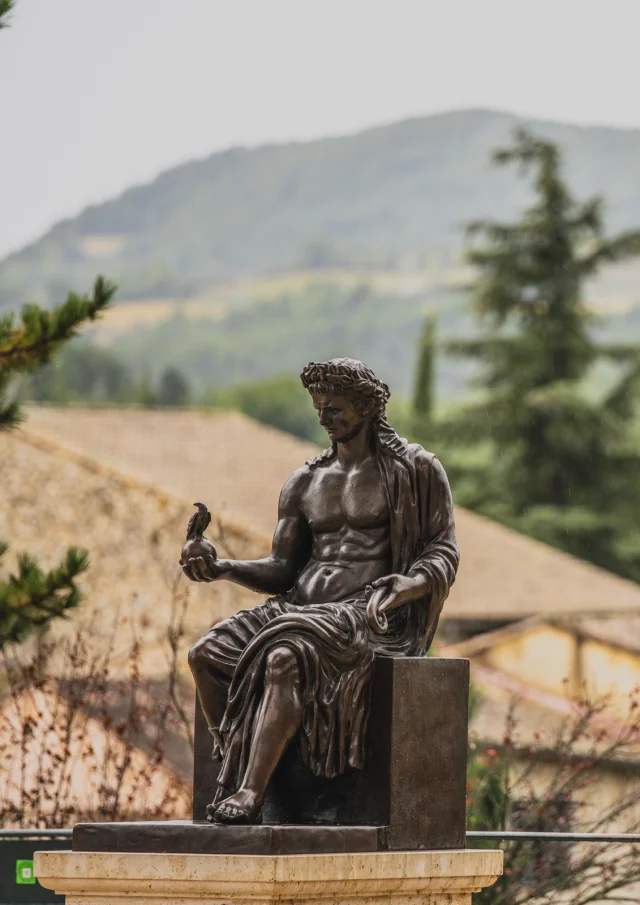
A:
401	878
182	837
414	778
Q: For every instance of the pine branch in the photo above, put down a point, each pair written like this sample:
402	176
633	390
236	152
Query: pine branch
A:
499	232
6	7
621	399
32	598
31	343
620	352
478	348
10	415
625	245
588	217
528	149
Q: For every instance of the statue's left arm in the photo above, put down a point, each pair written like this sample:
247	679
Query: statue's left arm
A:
433	571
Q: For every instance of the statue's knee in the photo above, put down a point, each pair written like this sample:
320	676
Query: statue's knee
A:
197	656
282	665
203	653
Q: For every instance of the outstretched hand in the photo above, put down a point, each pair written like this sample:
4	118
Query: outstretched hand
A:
387	593
202	568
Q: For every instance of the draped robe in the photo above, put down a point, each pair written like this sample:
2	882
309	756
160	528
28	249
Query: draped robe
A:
332	642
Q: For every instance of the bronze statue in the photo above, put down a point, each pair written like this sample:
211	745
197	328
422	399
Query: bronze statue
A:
363	557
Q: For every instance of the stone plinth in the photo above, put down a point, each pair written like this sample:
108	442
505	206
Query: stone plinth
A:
400	878
414	781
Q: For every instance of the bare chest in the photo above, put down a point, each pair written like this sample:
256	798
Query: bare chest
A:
336	500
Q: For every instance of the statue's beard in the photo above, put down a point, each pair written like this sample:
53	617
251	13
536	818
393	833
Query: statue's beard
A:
350	435
386	439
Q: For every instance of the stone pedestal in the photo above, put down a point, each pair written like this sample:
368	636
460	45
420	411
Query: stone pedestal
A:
398	878
413	785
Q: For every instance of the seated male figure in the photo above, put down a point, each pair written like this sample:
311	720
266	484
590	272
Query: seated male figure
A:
363	556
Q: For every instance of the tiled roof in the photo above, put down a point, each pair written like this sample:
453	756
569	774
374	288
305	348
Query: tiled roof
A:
238	466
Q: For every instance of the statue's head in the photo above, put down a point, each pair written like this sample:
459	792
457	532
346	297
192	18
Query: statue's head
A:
347	395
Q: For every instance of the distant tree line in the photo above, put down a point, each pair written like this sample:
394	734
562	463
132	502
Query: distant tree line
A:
280	401
88	373
91	374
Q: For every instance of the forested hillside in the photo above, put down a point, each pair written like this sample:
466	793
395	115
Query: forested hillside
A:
397	192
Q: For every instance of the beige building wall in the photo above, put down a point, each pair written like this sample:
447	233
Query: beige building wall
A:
610	670
543	657
600	796
560	661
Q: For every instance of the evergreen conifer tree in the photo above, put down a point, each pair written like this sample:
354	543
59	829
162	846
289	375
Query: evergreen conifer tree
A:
32	597
173	388
554	459
5	8
423	391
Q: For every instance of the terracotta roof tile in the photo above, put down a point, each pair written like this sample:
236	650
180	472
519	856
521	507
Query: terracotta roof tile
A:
238	467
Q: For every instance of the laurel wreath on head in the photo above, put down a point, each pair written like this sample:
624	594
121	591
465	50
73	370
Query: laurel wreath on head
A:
349	378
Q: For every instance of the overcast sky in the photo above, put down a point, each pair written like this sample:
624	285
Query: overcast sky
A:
97	96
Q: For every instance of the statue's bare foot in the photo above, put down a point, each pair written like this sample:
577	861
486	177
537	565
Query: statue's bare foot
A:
242	807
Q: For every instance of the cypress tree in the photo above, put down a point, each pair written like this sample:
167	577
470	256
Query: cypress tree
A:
423	392
553	460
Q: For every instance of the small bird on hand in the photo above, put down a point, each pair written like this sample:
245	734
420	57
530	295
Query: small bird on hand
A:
196	544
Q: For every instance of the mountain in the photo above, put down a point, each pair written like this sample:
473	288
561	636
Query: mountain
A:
389	193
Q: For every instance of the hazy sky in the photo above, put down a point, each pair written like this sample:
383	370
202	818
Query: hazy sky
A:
98	95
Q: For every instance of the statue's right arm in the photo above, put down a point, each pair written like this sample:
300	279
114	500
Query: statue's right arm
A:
290	549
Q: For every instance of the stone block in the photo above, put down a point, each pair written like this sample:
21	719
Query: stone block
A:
414	780
398	878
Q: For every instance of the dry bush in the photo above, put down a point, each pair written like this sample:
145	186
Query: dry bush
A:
79	744
582	777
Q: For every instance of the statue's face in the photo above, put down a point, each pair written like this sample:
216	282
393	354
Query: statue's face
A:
338	417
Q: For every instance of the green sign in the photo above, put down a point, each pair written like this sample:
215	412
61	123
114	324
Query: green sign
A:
24	872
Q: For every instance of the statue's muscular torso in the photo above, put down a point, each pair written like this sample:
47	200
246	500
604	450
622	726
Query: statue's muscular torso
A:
347	514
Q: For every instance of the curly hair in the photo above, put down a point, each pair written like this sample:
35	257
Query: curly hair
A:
350	378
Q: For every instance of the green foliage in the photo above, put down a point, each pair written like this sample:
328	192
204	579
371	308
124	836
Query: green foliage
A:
5	8
82	372
280	401
487	782
31	598
323	320
488	802
145	394
562	460
87	373
545	784
423	392
30	341
173	388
